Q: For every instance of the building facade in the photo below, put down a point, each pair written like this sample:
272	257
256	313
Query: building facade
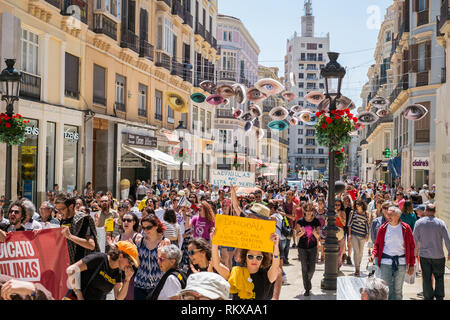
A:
95	87
238	64
306	55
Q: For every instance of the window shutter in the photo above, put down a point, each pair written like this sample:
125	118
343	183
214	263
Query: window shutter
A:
99	82
422	127
428	4
428	56
413	56
131	15
415	5
71	74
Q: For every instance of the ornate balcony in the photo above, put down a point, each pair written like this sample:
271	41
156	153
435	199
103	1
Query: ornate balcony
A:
104	25
162	60
30	86
200	30
55	3
227	75
146	50
444	17
130	40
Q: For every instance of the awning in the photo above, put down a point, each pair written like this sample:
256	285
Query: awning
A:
395	167
164	158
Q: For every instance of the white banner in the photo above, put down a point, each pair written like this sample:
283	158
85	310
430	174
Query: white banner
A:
421	163
233	178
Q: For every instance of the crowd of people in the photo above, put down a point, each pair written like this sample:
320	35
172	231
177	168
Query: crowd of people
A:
158	240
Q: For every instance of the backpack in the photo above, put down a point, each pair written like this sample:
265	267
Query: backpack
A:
177	273
286	229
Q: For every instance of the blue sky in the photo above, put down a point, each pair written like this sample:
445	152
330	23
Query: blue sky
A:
353	26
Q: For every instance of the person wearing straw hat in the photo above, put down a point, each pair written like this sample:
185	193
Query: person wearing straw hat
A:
94	276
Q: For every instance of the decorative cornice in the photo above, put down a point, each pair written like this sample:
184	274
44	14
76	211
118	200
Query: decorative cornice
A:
125	56
101	44
39	12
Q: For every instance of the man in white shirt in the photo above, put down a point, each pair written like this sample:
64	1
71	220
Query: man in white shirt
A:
424	193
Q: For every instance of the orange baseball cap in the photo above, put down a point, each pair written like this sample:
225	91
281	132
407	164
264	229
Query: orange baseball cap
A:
130	249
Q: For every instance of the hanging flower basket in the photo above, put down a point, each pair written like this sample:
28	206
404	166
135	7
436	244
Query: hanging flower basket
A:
12	129
332	129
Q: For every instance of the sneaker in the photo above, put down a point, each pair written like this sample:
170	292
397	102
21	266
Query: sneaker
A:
344	257
294	246
306	294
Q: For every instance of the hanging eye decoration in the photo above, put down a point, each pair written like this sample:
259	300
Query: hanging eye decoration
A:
312	121
269	86
278	125
414	112
256	122
207	85
259	133
293	121
296	109
278	113
256	96
215	100
367	118
379	102
382	113
225	91
342	103
247	116
237	113
176	102
225	102
198	97
240	94
315	97
324	105
305	116
288	96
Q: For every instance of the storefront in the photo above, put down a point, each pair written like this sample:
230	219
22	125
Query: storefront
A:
421	171
27	162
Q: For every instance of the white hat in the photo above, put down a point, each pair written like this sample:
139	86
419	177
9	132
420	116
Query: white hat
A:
208	284
425	185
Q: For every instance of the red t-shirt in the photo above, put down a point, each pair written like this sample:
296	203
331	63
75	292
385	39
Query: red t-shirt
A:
296	201
353	193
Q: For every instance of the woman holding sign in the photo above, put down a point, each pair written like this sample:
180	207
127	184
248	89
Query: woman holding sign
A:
255	278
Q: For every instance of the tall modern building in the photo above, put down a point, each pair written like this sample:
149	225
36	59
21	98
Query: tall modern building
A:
306	55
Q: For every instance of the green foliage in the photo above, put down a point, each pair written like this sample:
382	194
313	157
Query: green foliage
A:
12	129
332	130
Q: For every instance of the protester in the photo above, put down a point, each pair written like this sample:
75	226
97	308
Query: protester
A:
374	289
204	286
46	217
394	249
94	276
262	268
429	234
17	216
358	232
340	223
173	280
348	207
308	232
172	228
203	222
14	289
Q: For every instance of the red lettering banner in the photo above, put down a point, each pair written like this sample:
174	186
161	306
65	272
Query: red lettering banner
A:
43	258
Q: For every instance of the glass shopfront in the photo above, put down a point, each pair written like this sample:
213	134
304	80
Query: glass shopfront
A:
70	158
50	156
27	163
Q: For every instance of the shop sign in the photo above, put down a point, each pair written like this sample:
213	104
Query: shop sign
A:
144	141
32	131
421	163
71	136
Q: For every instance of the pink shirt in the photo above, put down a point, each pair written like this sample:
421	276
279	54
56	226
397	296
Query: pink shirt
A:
401	203
202	227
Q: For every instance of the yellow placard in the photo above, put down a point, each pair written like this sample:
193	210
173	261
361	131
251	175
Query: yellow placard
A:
244	233
109	225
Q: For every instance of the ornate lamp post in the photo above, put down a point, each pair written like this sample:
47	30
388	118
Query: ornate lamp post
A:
10	80
279	167
235	162
181	129
333	73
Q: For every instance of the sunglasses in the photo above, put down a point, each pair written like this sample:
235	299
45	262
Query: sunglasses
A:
161	259
14	211
148	228
385	208
192	252
128	220
252	257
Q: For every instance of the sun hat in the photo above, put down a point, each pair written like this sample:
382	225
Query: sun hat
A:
259	210
130	249
208	284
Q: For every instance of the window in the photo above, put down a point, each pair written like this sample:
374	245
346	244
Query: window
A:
302	45
300	150
311	57
421	66
142	110
50	155
422	5
310	151
227	36
170	115
320	57
71	76
303	56
301	94
310	142
422	126
225	136
310	161
310	85
99	85
158	105
310	132
320	46
311	67
321	151
30	48
111	6
300	141
388	36
229	61
27	161
300	76
311	46
301	66
321	160
208	121
70	158
202	119
321	86
301	85
165	39
300	131
387	140
120	92
311	76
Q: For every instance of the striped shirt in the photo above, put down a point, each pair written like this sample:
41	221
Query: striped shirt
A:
172	230
359	224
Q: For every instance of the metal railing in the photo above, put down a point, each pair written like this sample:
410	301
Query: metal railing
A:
55	3
200	29
30	86
188	19
444	17
142	112
227	75
104	25
120	106
176	68
162	60
422	17
130	40
146	50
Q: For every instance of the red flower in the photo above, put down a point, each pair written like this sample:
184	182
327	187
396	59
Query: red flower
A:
19	116
355	119
324	126
350	115
333	111
318	114
337	152
8	125
7	118
342	150
338	117
329	120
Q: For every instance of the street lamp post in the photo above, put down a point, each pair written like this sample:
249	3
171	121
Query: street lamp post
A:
279	167
181	129
10	80
235	162
333	73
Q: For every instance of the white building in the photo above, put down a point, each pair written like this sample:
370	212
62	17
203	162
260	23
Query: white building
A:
306	55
